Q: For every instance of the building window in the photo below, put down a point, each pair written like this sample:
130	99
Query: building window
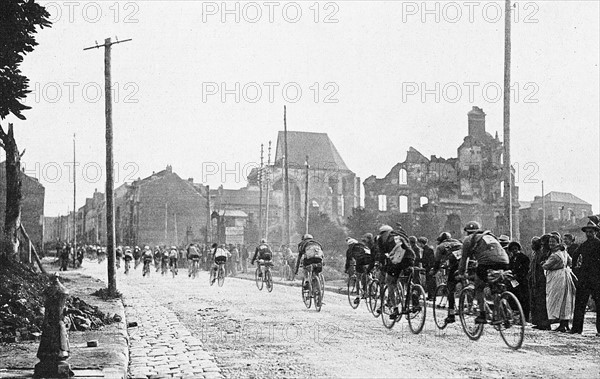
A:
403	204
583	213
424	200
502	188
402	177
382	203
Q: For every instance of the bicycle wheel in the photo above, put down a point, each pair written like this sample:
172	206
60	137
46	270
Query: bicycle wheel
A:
353	296
269	280
417	308
374	297
512	328
258	279
306	295
211	279
468	310
389	301
440	306
322	282
221	276
316	289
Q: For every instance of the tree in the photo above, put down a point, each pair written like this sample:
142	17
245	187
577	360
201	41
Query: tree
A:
19	20
362	221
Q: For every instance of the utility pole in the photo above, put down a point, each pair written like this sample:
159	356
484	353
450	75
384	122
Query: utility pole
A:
260	191
286	205
110	206
267	195
209	219
74	201
306	198
166	224
508	185
176	237
543	210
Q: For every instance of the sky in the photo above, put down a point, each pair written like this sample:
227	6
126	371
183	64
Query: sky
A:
202	84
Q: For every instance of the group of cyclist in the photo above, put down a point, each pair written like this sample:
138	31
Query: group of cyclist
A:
392	251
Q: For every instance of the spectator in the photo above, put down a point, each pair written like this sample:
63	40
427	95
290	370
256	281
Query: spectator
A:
519	264
235	257
537	286
560	289
589	277
244	257
428	261
420	278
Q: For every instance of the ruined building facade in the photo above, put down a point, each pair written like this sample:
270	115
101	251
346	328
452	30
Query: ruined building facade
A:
455	190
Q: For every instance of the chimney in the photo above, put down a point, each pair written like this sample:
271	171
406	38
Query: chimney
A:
476	122
191	180
169	169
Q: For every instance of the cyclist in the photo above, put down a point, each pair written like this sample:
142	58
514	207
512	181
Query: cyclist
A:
164	258
288	258
264	253
147	257
119	255
219	255
173	259
137	254
157	258
193	255
448	252
363	259
485	248
312	252
395	251
127	257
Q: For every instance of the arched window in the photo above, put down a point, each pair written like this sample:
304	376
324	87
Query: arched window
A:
382	203
403	204
424	200
402	177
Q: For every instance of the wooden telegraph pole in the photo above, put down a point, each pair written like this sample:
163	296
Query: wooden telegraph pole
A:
110	206
74	203
260	192
508	186
306	198
267	194
286	184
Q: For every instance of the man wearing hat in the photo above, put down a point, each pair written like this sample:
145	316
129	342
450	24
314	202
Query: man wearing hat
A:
589	277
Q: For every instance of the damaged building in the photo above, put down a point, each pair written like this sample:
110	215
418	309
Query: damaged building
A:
455	190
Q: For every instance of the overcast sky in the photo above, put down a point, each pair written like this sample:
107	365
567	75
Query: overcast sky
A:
377	77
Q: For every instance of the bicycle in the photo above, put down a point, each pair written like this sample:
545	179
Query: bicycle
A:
502	308
411	302
164	267
220	275
357	287
440	299
266	278
313	290
146	269
127	264
194	269
286	271
374	290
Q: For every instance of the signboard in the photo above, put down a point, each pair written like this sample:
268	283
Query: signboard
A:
234	231
234	239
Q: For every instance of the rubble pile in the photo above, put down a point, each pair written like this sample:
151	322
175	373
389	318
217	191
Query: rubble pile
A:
22	305
21	301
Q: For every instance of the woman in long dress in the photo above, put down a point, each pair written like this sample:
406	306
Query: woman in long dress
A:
560	289
537	286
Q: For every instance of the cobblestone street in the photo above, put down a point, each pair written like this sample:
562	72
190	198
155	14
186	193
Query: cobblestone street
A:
187	328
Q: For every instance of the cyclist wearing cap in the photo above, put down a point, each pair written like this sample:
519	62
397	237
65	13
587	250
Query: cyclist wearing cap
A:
393	248
485	248
264	254
309	252
363	259
147	258
193	255
173	255
448	252
219	255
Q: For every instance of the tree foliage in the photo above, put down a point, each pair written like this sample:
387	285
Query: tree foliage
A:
362	221
19	20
